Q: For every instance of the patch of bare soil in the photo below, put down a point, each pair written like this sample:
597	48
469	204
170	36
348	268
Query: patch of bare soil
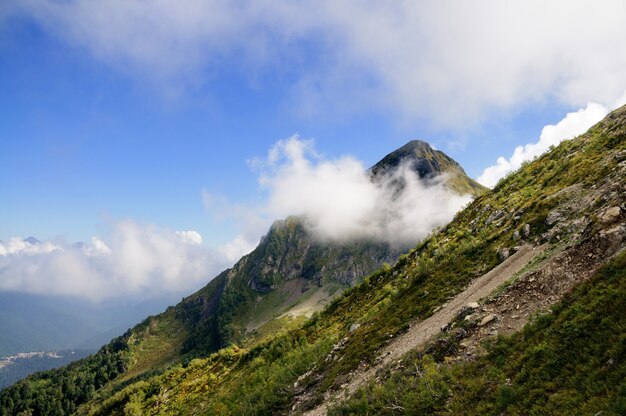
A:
313	303
536	291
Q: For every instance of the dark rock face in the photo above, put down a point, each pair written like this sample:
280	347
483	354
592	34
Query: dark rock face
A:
289	251
425	161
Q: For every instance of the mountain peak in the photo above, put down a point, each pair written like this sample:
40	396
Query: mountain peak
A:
417	146
427	163
32	240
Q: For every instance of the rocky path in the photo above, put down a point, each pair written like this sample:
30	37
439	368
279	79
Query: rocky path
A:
423	331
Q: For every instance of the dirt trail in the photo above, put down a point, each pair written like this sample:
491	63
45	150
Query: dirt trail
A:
423	331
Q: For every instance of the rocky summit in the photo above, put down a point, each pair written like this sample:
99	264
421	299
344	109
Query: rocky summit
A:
428	164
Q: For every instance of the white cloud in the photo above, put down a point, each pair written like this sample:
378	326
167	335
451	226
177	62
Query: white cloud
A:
449	62
574	124
24	246
339	200
239	246
190	237
97	248
135	259
250	221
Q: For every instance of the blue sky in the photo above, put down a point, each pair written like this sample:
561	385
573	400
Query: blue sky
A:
129	110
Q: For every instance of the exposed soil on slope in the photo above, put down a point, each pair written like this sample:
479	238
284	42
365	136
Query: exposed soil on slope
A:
295	298
540	288
421	332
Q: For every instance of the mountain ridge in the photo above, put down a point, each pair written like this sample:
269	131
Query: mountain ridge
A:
264	285
570	198
241	298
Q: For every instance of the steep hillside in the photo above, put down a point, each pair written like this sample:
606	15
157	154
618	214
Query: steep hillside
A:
289	275
571	361
287	278
514	252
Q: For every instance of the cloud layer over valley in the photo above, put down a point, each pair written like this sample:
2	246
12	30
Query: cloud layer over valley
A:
134	259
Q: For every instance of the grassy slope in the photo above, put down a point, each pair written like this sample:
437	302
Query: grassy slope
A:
571	361
145	350
261	380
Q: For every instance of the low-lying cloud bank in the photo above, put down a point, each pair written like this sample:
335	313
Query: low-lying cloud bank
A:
339	200
574	124
135	259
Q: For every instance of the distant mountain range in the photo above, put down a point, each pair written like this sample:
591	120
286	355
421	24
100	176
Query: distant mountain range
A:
49	323
18	366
